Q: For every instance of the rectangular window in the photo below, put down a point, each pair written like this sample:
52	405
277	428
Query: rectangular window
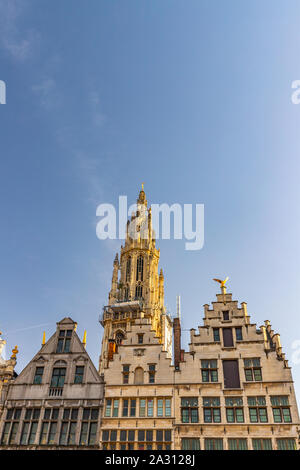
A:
11	426
168	407
13	433
226	315
262	444
72	433
84	434
216	333
108	408
131	435
24	435
38	377
209	370
150	407
142	407
281	410
140	338
237	444
58	377
79	375
32	434
44	433
4	440
63	434
257	410
234	409
190	444
52	433
239	334
160	407
89	427
126	374
286	444
116	408
213	444
253	370
64	341
152	373
125	408
132	407
211	410
189	410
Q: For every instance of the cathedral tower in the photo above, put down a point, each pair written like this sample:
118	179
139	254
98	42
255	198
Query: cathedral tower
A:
137	288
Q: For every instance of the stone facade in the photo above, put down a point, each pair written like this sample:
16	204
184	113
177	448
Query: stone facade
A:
56	401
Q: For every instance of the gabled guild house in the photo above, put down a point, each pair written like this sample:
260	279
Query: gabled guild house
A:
56	400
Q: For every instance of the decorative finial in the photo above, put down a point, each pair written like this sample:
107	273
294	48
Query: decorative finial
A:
223	287
14	352
84	339
44	338
142	186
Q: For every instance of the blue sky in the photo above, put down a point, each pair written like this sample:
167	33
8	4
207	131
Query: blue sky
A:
192	98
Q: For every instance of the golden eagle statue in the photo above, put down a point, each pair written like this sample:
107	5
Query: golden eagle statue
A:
222	282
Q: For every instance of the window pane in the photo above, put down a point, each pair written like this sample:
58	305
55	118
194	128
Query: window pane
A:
142	407
257	374
13	433
52	433
63	434
94	413
217	415
24	433
150	407
32	435
125	408
116	408
230	415
263	415
160	407
168	407
44	432
286	415
93	434
239	415
132	407
72	434
277	415
253	415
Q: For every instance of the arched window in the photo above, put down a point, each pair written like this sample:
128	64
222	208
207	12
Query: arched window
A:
139	268
128	269
139	376
139	291
119	337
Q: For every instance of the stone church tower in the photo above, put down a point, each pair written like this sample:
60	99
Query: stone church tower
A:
137	288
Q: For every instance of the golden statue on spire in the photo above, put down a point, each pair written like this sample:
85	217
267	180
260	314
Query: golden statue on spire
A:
222	284
14	352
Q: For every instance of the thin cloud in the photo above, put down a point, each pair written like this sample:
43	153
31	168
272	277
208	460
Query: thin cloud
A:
47	92
17	43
